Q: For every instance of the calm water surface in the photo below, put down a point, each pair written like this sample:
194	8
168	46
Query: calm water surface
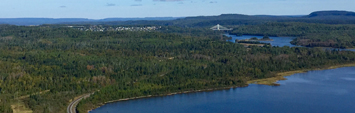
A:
277	41
325	91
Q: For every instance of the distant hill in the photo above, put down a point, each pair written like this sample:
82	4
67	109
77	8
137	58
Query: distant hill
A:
132	19
323	14
326	17
40	21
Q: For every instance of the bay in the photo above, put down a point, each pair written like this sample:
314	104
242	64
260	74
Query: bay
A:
321	91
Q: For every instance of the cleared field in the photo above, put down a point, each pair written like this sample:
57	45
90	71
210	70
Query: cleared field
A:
19	107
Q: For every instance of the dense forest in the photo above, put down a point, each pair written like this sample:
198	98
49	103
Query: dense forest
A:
44	67
308	34
68	62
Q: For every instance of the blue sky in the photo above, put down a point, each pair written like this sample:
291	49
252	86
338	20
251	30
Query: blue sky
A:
98	9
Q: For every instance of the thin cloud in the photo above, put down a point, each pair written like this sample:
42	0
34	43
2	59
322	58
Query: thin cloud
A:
62	6
110	4
138	0
136	5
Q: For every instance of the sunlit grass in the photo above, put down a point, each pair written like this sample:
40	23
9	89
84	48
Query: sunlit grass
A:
281	76
18	106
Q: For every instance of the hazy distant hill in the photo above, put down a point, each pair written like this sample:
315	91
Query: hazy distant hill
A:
327	17
40	21
327	14
132	19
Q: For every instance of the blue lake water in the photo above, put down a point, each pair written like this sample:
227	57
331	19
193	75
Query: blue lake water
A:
324	91
277	41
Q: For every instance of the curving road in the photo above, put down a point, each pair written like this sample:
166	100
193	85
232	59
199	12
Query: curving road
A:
72	106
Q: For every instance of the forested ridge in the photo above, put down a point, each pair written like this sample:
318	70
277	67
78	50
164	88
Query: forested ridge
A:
323	17
122	64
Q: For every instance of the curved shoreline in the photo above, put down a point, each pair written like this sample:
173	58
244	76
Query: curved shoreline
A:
281	76
266	81
169	94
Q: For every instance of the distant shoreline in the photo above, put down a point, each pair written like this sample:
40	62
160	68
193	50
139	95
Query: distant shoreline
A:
260	35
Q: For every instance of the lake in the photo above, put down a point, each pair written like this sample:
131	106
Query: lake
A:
277	41
321	91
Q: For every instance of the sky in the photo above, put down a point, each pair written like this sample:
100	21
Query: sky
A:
99	9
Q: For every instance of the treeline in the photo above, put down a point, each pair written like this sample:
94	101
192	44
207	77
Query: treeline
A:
63	63
224	66
309	35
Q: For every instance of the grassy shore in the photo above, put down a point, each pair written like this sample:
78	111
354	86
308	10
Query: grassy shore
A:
281	76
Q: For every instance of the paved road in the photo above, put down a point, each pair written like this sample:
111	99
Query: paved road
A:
72	106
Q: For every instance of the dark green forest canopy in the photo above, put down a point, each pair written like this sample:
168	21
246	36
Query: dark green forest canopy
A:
123	64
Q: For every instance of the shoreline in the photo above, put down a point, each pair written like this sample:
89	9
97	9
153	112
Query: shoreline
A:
169	94
266	81
281	76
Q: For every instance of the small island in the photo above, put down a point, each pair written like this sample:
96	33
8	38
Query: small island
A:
265	38
254	41
248	43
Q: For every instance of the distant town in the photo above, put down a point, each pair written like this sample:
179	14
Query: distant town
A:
100	28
